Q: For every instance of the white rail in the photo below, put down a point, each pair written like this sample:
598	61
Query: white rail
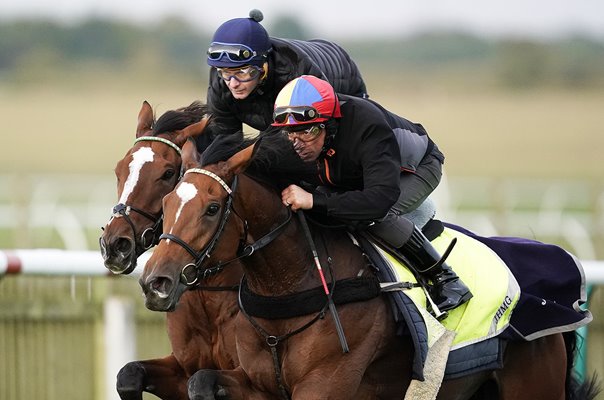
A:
90	263
57	262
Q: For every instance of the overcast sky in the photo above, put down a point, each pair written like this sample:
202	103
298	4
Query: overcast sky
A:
353	18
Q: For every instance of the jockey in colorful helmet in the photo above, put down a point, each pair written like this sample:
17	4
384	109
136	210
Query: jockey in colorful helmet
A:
373	168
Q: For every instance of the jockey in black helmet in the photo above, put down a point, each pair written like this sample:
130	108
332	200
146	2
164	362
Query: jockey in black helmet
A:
249	68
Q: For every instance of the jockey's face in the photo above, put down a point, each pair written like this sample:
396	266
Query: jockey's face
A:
241	81
308	145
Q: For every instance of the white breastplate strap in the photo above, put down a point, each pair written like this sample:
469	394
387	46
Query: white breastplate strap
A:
211	175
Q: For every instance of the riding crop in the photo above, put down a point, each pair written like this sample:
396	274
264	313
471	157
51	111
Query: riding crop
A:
332	306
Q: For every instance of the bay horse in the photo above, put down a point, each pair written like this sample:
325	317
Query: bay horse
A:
292	350
200	329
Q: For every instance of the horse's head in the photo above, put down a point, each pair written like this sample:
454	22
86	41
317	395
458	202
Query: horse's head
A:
202	233
149	170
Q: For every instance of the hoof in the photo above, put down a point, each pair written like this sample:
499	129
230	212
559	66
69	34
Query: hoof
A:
131	381
203	385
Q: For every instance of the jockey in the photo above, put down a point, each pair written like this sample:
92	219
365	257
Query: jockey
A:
373	167
249	68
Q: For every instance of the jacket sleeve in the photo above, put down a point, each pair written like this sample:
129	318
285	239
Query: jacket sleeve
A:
379	161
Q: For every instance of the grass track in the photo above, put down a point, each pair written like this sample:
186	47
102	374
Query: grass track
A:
544	134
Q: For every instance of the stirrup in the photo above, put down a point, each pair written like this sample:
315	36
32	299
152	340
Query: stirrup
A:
433	308
431	305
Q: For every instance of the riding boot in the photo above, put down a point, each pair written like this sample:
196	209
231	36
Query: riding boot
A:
448	291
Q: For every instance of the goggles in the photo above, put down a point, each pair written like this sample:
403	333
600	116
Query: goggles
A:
299	114
305	135
246	74
238	53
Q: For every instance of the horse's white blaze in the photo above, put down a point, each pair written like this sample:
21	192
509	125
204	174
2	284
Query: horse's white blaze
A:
139	158
186	191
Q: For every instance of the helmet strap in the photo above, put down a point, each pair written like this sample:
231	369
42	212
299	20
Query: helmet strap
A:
331	128
259	87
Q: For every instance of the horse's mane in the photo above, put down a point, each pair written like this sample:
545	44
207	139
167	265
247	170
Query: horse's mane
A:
180	118
223	147
273	151
274	159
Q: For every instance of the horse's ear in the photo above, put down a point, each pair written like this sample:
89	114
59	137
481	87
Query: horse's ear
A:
190	155
190	131
145	119
240	160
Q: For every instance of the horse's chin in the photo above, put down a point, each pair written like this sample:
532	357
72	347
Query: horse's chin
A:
155	304
120	268
163	299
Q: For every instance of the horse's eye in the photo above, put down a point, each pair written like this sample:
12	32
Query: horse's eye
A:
213	209
168	175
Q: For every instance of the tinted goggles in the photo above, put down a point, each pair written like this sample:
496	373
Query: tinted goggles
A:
305	135
234	52
239	74
299	114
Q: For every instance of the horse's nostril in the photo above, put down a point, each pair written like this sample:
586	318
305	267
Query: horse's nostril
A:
158	284
123	245
161	286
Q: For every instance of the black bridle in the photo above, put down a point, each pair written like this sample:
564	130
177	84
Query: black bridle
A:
199	272
199	256
150	236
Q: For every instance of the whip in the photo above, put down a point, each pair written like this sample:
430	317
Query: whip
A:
332	306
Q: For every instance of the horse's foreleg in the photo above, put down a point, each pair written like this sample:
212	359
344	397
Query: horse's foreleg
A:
208	384
162	377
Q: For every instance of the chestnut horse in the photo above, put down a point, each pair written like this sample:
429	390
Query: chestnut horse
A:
200	330
216	211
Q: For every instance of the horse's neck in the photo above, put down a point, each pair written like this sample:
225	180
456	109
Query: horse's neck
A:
286	265
276	268
230	276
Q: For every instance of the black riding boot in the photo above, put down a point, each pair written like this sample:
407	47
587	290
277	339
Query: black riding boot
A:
448	290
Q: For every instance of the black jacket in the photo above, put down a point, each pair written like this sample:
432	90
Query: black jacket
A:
288	60
362	163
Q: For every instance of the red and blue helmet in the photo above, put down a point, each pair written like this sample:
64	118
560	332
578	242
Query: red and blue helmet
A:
305	100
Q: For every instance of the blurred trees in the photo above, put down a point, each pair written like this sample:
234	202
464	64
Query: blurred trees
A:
573	62
32	49
288	27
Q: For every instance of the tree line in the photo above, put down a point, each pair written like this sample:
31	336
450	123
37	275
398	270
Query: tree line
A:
174	45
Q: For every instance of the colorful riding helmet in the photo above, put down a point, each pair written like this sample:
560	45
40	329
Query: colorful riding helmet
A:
305	100
239	42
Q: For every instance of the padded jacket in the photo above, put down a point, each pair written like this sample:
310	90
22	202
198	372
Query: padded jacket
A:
362	163
288	60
